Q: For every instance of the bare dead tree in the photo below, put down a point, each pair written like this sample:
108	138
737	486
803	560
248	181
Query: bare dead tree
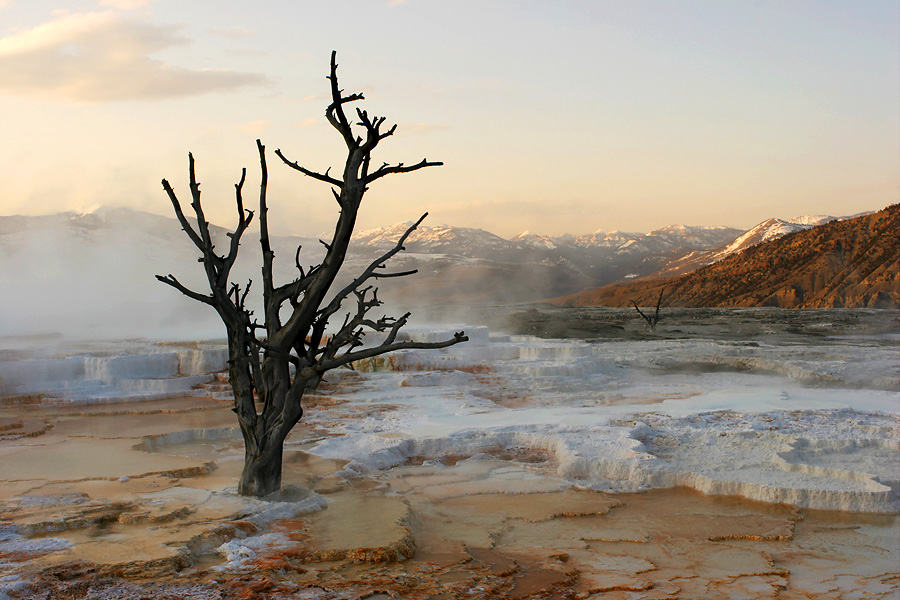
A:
651	321
272	364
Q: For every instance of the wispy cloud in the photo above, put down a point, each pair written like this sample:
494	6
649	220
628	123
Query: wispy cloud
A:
310	122
317	98
393	3
247	52
257	127
125	4
234	33
102	57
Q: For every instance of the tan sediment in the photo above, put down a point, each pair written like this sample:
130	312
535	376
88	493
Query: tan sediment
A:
8	423
361	527
535	508
14	429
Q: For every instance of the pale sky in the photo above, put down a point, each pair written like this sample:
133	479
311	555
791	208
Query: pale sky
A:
549	116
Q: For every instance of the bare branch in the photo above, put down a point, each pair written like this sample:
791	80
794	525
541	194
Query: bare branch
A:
185	224
297	260
293	289
370	271
351	331
385	169
202	223
335	111
373	133
640	312
239	200
658	304
652	322
268	257
244	219
170	280
287	355
243	300
398	274
321	177
390	347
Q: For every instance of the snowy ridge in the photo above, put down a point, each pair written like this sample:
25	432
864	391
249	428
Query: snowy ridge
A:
812	220
765	231
428	238
660	240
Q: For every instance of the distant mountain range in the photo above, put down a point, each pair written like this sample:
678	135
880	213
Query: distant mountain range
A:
478	243
852	262
94	270
464	264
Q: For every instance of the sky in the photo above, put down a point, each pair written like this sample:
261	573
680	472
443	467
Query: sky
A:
554	117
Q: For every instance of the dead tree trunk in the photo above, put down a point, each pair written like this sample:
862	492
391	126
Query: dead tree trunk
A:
651	321
270	372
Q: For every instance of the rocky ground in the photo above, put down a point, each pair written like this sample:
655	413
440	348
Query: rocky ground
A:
773	325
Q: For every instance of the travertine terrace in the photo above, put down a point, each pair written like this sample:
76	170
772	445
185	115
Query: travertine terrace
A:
714	458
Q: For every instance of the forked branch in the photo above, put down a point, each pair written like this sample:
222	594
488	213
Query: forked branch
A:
651	321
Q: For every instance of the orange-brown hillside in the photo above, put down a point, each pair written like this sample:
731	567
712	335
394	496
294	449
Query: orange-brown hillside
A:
853	263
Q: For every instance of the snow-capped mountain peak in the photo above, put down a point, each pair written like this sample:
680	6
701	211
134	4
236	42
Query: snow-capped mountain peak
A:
86	210
765	231
811	220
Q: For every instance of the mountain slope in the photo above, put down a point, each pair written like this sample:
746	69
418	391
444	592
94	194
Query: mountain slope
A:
768	230
849	263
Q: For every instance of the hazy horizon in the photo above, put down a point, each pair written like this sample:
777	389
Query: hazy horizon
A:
554	118
84	210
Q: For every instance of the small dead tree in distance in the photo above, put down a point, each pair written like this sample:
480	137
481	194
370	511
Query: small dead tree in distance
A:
275	369
651	321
